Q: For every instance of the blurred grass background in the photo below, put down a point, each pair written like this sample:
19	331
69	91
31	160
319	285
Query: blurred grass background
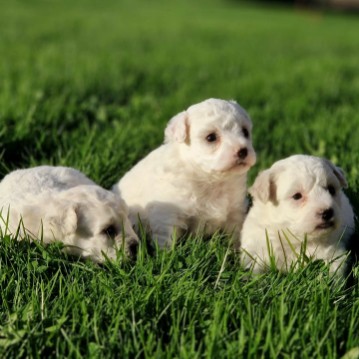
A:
68	68
91	84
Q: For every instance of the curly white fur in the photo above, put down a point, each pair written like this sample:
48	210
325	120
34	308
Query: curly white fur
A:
298	197
195	181
62	204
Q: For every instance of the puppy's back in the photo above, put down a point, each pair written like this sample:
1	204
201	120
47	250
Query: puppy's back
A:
39	179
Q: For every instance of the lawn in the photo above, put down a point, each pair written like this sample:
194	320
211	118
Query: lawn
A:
91	84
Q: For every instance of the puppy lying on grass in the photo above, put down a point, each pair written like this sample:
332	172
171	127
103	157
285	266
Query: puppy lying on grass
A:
62	204
298	207
195	181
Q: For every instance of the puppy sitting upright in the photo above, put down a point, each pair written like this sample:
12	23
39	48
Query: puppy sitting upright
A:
298	198
195	181
62	204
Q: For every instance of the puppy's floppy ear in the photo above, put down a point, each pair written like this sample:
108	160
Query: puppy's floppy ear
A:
69	220
263	187
30	217
64	222
339	173
177	128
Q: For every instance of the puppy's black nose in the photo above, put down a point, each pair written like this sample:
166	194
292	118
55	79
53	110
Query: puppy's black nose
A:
327	214
132	248
242	153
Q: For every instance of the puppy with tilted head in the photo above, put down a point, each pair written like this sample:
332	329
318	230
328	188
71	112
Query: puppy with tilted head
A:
298	205
195	181
62	204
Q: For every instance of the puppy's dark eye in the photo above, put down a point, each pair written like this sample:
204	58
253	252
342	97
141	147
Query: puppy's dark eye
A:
297	196
331	190
245	132
110	231
212	137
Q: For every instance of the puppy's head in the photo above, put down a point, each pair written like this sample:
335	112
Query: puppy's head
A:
216	135
95	219
302	194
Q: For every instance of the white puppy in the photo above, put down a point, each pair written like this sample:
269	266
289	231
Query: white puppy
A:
298	197
60	203
195	181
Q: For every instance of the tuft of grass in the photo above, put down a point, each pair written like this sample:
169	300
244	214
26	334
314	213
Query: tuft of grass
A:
91	85
190	302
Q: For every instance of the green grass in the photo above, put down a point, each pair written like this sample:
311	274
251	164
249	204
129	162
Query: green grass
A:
91	85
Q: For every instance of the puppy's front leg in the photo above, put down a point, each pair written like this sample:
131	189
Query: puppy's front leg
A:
164	234
339	266
166	226
233	227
